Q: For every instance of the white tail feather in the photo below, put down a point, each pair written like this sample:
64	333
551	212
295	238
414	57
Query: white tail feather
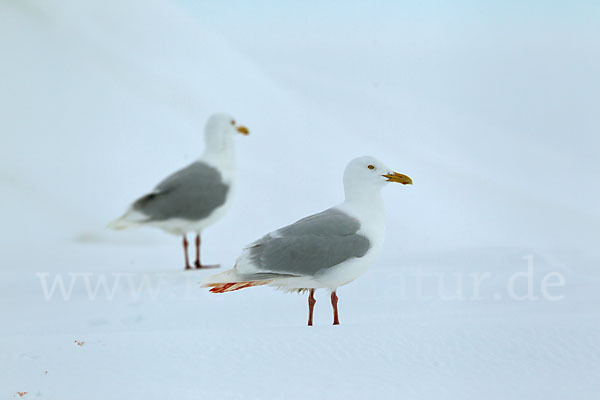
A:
228	276
122	223
229	281
130	219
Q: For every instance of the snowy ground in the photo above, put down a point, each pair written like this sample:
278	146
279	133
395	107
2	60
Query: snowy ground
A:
177	341
491	110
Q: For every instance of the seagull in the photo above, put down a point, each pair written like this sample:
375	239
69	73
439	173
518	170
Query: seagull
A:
195	197
325	250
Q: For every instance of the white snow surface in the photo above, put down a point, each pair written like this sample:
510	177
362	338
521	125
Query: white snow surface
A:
491	109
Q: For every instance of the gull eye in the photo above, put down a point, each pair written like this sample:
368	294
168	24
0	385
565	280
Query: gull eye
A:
371	166
233	122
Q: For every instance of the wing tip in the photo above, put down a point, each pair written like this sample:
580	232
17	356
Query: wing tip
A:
232	286
118	224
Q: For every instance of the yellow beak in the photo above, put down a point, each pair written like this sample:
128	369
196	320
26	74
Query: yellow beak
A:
396	177
243	130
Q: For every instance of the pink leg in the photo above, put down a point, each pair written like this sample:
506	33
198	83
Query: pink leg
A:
197	263
311	306
185	252
334	301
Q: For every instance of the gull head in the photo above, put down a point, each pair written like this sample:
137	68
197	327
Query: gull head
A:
220	129
365	174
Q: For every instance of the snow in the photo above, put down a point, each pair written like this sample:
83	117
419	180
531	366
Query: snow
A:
490	109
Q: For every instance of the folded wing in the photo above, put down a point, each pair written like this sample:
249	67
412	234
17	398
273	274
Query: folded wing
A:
307	247
191	193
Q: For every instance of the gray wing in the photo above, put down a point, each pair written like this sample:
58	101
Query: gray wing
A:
191	193
310	245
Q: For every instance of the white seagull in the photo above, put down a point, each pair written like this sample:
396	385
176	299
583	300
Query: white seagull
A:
196	196
325	250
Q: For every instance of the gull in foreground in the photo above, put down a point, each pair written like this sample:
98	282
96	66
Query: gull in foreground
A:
325	250
196	196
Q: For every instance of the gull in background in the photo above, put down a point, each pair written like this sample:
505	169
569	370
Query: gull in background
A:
196	196
325	250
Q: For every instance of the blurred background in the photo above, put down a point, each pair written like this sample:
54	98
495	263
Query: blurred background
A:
490	107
